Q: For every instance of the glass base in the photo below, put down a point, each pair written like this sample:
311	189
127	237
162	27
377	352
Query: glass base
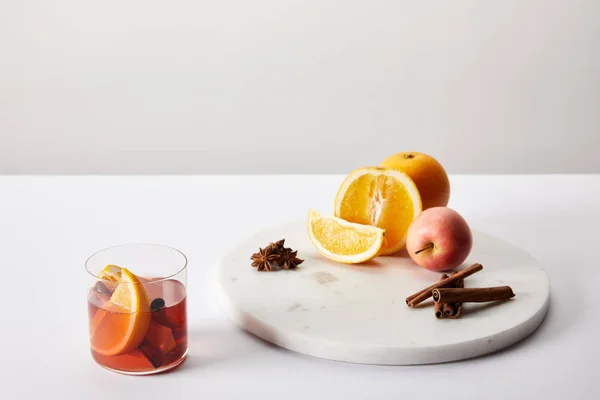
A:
150	372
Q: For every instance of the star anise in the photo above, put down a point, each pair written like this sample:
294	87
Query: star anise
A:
288	259
277	247
263	259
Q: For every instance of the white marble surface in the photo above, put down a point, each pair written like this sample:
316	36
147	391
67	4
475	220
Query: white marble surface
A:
358	313
50	225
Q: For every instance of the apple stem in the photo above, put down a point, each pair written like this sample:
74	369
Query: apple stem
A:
429	246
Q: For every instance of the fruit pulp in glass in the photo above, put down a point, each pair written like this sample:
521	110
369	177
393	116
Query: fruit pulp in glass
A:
164	343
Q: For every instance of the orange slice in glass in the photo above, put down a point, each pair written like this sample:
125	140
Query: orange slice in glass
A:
110	273
121	325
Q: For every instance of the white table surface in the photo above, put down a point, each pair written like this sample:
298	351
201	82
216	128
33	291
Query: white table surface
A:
49	225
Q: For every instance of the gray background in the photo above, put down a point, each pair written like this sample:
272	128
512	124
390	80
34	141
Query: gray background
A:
298	86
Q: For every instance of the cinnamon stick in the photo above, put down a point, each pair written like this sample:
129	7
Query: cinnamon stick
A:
439	307
457	306
457	313
151	353
471	295
424	294
449	310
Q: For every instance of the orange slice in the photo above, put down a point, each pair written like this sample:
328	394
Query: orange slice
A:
344	241
110	273
121	325
381	197
110	276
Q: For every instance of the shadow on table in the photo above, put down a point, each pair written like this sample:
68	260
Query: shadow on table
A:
563	313
210	347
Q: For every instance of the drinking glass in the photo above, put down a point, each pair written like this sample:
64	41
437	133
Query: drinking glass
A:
137	308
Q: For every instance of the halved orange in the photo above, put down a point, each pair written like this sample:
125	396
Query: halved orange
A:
120	326
381	197
344	241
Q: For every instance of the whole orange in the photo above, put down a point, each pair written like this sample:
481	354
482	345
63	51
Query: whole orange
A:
427	173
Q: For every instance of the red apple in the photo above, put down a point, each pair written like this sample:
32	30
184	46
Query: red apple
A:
439	239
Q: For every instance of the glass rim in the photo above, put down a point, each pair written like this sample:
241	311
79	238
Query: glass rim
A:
185	259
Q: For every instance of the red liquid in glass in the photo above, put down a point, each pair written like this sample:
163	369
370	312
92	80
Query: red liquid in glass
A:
165	343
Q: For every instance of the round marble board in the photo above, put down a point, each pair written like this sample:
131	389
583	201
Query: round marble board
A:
358	313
